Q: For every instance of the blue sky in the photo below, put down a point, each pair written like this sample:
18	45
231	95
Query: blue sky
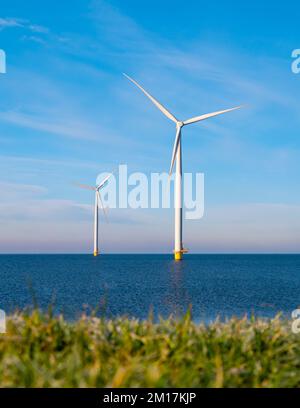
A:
67	113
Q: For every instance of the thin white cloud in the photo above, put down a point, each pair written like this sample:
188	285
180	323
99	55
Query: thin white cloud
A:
70	129
11	22
38	28
21	23
34	39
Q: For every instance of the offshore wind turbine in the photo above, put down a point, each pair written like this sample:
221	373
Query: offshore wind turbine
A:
98	203
177	155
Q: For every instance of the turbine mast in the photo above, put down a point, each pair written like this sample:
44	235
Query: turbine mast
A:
178	204
96	226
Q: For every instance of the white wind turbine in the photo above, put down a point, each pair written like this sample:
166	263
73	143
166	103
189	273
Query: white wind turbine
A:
98	202
177	155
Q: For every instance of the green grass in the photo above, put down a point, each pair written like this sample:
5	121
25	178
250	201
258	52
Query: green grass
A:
39	350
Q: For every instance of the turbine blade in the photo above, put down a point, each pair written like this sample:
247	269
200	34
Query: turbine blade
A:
175	148
85	186
102	206
104	181
156	103
208	115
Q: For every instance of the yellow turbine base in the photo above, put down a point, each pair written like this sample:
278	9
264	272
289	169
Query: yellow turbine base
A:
178	255
96	253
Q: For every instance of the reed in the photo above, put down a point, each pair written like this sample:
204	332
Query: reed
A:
41	350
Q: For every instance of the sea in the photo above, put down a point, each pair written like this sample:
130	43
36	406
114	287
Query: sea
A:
139	286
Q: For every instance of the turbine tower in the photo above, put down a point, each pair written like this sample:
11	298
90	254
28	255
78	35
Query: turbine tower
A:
98	202
177	155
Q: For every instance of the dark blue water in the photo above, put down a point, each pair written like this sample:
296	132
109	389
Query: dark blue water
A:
132	285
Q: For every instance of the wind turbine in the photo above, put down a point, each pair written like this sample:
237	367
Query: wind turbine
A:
98	202
177	155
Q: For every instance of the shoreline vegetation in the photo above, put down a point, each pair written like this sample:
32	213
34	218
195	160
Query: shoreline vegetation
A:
42	350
